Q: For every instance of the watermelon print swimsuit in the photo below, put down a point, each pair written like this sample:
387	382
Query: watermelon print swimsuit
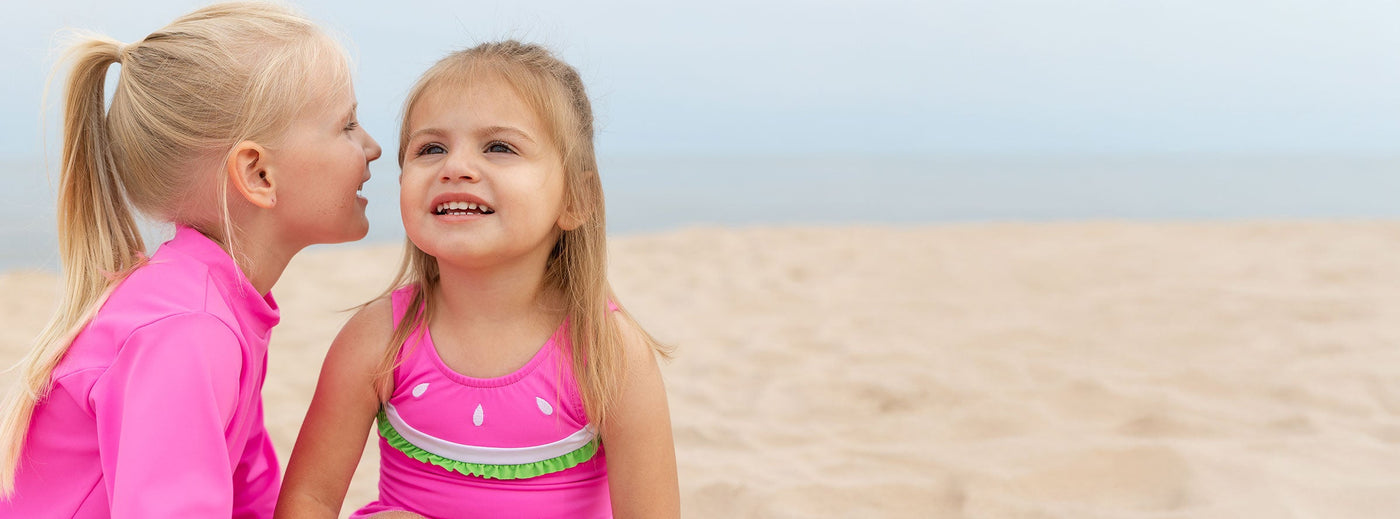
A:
518	445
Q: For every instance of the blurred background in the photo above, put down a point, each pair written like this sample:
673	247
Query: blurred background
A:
745	113
1169	291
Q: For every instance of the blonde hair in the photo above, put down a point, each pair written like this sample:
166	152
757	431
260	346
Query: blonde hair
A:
188	92
577	265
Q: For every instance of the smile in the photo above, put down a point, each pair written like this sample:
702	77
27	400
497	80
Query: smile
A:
462	208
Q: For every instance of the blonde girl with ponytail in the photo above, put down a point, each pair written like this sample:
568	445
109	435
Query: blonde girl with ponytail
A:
141	398
500	372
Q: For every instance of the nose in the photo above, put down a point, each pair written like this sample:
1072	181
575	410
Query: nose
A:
458	167
372	149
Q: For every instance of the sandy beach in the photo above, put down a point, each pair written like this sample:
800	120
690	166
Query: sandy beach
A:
1074	370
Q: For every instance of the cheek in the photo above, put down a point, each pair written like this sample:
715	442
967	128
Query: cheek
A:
410	195
405	202
556	190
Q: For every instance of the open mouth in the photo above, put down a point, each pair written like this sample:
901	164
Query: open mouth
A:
462	208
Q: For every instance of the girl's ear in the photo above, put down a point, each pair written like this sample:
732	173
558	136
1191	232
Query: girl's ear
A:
570	219
249	172
575	212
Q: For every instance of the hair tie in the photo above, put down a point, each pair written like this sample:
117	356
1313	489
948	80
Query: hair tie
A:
121	51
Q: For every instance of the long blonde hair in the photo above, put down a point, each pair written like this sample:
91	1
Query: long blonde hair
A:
577	265
189	91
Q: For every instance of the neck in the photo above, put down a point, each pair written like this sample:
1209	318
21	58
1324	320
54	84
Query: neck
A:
264	266
259	250
493	294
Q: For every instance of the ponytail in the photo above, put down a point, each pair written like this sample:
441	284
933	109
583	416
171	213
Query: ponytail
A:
98	239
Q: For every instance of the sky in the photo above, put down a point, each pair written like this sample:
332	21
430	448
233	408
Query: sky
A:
928	78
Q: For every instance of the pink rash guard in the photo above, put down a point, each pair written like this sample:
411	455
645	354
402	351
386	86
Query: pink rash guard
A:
156	409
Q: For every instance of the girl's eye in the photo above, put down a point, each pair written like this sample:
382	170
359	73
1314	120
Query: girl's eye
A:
352	125
498	147
431	149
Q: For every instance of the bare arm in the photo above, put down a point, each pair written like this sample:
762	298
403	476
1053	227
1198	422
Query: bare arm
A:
333	435
641	452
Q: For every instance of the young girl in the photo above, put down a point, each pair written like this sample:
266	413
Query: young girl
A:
142	396
503	379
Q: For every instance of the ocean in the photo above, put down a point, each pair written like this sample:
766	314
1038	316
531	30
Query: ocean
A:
651	194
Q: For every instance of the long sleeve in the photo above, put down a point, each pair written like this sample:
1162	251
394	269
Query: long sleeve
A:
257	478
162	410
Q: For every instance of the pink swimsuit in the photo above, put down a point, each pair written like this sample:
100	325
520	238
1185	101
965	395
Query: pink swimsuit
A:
156	409
513	446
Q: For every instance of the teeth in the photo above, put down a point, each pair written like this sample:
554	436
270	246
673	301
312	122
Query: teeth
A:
463	206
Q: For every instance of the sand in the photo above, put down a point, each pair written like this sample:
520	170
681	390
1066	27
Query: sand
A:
1076	370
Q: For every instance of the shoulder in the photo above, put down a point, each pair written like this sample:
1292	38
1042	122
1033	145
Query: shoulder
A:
369	330
195	323
188	334
161	294
638	348
174	332
193	349
168	278
357	354
161	304
150	333
362	343
640	409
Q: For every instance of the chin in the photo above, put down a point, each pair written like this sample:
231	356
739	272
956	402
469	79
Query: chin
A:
355	233
359	233
455	254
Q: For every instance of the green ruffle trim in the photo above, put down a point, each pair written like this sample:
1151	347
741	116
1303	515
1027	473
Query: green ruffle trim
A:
527	470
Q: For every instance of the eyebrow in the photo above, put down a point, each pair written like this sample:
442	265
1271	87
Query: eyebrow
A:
416	133
350	114
489	130
493	130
